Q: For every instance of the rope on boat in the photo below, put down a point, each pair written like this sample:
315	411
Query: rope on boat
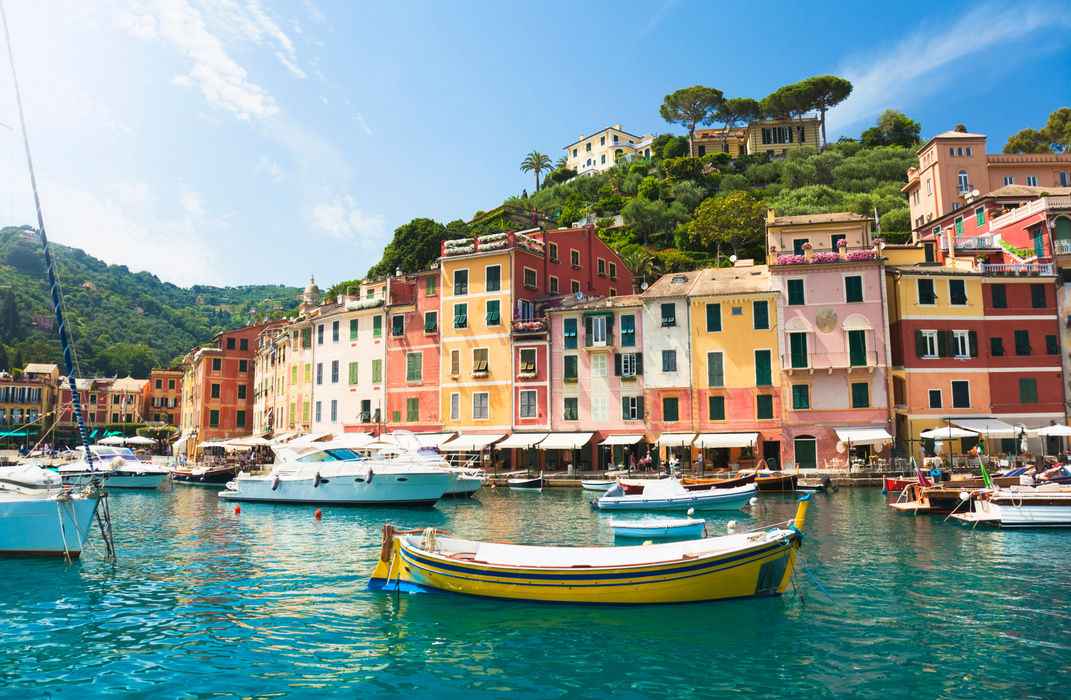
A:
63	531
57	305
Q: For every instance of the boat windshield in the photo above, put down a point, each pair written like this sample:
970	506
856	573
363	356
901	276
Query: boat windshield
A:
332	455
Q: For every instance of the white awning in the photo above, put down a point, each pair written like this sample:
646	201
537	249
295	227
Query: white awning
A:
676	439
989	427
622	440
521	440
863	436
180	443
565	441
1051	431
726	439
470	443
947	433
433	439
281	438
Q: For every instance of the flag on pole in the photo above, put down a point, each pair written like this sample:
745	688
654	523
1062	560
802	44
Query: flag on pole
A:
985	477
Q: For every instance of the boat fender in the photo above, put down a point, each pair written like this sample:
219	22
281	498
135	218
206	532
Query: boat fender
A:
316	480
753	501
369	479
731	525
964	496
275	482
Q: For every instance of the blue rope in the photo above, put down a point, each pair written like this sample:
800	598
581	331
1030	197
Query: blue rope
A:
49	262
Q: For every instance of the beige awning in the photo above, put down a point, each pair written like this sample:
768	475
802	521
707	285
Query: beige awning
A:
565	441
676	439
521	440
433	439
713	440
863	436
989	427
472	442
622	440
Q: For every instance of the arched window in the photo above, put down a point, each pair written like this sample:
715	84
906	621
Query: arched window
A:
959	152
952	152
964	186
969	151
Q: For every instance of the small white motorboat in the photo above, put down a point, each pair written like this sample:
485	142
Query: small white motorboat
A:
118	467
658	527
597	484
527	483
669	494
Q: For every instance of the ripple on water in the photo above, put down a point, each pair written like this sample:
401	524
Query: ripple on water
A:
273	602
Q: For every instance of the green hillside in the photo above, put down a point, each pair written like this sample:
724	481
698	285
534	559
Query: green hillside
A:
122	322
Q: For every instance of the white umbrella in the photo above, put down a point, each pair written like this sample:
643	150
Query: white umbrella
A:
138	440
1053	431
113	440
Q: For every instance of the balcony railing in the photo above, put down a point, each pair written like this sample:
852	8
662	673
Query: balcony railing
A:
491	242
831	360
984	242
1063	247
1018	270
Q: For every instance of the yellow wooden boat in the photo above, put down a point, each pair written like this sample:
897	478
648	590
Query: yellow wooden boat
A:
744	565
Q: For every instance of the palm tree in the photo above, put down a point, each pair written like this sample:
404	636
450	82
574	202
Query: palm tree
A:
562	162
538	162
642	264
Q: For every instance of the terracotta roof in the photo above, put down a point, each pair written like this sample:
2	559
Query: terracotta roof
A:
673	284
934	269
1027	191
733	280
599	303
839	217
958	135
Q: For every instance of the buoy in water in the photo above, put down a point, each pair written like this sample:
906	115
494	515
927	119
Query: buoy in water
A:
237	509
753	501
731	525
318	514
691	512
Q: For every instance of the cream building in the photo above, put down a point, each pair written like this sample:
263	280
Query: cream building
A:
600	151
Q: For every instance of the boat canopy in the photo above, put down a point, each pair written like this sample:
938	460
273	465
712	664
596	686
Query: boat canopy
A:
179	444
433	439
470	443
676	439
308	438
726	440
565	441
622	440
863	436
521	440
990	427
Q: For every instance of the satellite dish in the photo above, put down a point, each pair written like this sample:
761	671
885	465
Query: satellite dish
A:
732	258
580	296
644	285
975	193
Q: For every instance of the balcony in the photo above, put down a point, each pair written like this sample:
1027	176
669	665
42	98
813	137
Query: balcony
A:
1018	269
830	361
1063	247
1027	210
529	326
983	242
493	242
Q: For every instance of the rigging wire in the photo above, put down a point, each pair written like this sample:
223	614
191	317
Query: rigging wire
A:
103	520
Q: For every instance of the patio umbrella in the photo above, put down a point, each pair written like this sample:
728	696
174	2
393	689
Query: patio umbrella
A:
948	432
114	440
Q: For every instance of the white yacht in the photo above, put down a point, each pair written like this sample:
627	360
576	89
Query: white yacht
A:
119	467
41	517
345	472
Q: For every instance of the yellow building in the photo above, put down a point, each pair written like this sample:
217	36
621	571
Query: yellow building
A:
600	151
772	136
735	368
476	375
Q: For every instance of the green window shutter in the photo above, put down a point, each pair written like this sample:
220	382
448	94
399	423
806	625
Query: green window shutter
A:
639	364
571	367
1000	296
412	410
764	407
377	326
628	331
414	367
715	369
670	410
617	364
431	321
860	395
857	348
669	314
353	373
853	288
942	343
717	407
589	323
972	342
713	318
763	368
639	408
430	286
1052	345
980	216
795	293
569	333
920	344
377	371
397	325
801	400
353	329
959	227
1028	390
492	312
761	312
996	347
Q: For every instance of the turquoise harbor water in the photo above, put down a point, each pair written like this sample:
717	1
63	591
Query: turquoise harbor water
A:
206	603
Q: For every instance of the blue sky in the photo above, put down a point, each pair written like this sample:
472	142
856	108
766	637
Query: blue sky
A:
261	141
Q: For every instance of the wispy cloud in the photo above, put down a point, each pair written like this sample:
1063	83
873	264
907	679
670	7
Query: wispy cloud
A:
314	12
932	58
656	18
270	168
223	82
340	217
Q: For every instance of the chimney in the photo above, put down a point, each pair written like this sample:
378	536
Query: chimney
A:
617	126
769	216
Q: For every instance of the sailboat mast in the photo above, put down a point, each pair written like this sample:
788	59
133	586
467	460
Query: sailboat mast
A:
49	260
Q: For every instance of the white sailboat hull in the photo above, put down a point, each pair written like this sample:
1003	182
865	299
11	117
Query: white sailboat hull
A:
45	525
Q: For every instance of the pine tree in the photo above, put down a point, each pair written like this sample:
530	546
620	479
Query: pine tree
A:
9	319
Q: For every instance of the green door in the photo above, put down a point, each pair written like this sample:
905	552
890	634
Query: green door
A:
857	348
806	452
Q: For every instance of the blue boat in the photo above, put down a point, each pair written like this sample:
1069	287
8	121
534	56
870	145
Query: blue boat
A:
658	527
669	494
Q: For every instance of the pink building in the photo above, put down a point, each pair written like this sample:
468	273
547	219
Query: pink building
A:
413	355
596	378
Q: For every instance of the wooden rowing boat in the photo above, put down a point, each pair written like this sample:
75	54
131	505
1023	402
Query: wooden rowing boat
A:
741	565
